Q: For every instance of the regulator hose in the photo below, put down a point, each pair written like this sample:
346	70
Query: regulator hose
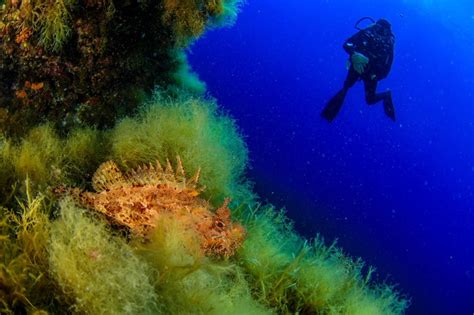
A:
363	19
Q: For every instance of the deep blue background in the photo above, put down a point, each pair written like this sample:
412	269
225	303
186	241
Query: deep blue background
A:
400	195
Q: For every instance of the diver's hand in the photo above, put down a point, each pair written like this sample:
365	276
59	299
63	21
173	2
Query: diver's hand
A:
359	62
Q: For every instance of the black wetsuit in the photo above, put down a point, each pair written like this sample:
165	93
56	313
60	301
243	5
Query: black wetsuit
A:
376	43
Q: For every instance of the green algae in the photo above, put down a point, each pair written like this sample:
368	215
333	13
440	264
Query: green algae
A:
195	129
48	160
190	18
24	275
189	283
185	78
295	276
98	272
70	105
275	270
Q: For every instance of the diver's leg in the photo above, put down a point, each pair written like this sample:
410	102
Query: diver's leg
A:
372	98
334	105
388	106
351	79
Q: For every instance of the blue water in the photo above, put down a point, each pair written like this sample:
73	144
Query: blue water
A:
400	195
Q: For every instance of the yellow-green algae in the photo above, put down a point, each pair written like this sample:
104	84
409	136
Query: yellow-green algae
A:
190	18
192	127
52	20
97	270
25	284
58	258
195	129
276	271
188	282
48	160
293	275
185	78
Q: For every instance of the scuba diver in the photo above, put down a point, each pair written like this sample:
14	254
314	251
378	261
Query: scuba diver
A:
371	57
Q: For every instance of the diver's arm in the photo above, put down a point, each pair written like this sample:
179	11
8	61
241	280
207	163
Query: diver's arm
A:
389	60
359	62
352	44
390	54
349	47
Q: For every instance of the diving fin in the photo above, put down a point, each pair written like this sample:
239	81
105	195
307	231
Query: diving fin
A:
334	106
388	108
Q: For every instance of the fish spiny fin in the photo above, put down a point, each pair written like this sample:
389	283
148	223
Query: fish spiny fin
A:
131	177
107	175
169	168
195	179
152	174
179	169
159	168
168	175
142	175
224	211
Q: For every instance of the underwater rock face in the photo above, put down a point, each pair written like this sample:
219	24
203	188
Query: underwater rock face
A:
75	63
90	62
135	200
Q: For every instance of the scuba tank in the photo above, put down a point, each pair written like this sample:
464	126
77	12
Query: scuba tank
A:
363	19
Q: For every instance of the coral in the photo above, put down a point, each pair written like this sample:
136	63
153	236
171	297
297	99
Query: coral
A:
97	271
135	200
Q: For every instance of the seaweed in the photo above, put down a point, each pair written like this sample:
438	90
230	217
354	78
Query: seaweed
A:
88	81
47	160
293	275
191	127
196	130
97	271
24	275
190	283
54	23
275	269
90	63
